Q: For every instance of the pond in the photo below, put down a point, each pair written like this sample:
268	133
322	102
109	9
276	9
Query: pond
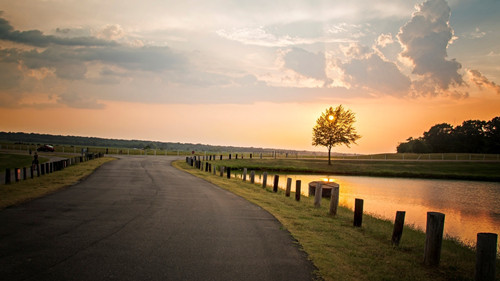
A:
469	206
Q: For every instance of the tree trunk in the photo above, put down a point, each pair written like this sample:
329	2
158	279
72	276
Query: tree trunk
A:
329	158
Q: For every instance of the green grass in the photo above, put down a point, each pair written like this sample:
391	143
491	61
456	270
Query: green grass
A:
19	192
343	252
466	170
17	161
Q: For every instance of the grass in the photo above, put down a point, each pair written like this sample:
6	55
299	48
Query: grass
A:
17	161
16	193
465	170
343	252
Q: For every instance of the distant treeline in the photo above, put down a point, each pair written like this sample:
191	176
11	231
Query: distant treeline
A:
473	136
32	138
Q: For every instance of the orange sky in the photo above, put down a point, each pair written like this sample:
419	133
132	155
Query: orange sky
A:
381	122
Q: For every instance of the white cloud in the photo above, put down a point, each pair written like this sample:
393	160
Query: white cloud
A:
425	39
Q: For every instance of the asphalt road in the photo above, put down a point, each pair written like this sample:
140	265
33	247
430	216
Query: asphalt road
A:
138	218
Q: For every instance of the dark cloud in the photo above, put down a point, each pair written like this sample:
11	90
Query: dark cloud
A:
306	63
425	39
377	75
37	39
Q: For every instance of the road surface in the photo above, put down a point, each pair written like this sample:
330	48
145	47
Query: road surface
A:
138	218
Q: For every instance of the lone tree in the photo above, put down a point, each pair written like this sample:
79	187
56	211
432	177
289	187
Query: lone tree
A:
334	127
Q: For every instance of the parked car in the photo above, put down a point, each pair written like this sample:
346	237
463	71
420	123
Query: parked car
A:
46	148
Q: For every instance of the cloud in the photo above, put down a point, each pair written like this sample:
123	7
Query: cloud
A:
76	100
37	39
306	63
425	39
480	81
376	75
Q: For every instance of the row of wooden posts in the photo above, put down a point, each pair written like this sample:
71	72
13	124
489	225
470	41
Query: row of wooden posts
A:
486	242
38	170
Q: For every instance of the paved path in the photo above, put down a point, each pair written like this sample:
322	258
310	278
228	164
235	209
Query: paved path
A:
138	218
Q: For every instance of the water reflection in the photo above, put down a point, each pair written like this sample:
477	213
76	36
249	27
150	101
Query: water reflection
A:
470	207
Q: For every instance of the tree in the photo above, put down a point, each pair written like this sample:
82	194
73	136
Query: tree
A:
334	127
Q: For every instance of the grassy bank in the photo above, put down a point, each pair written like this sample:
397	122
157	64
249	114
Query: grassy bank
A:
465	170
343	252
16	193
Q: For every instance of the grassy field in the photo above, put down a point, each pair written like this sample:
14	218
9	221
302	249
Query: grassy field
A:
16	193
343	252
17	161
467	170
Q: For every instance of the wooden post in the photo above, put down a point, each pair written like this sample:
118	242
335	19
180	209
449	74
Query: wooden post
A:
17	174
433	238
398	227
229	156
358	212
228	172
264	179
221	171
317	194
297	190
252	177
31	171
24	173
214	169
276	181
7	176
486	252
288	187
334	200
42	169
244	174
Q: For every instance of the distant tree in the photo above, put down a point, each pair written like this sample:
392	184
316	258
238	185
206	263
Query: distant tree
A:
335	127
439	137
473	136
470	137
413	146
492	135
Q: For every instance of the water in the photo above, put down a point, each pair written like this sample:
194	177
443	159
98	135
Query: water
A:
469	207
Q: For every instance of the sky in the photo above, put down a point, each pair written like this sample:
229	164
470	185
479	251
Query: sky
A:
247	73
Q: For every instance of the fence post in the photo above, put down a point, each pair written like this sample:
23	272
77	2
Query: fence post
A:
264	179
334	200
214	170
17	174
358	212
42	169
228	172
486	252
252	177
398	227
244	174
433	238
288	187
7	176
276	181
318	194
38	170
297	190
24	173
221	171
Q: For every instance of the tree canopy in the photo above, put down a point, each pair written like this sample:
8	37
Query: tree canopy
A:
473	136
335	127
